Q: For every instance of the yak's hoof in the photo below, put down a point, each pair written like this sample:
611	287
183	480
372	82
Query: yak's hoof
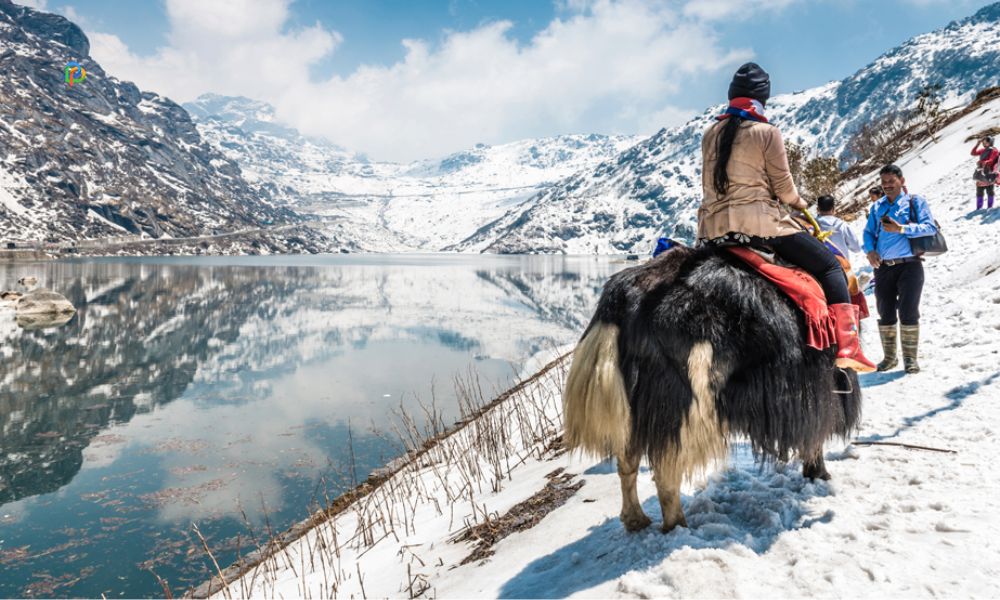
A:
668	527
636	522
815	472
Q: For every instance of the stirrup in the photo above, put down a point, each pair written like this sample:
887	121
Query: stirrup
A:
847	378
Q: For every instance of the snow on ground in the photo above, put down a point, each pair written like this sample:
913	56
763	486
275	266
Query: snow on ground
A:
8	182
893	522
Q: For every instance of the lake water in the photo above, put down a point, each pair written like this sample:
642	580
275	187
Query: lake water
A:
233	393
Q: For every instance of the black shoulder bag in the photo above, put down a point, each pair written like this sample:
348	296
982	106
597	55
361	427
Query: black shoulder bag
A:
928	245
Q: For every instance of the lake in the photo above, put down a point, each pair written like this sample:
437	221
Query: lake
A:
235	393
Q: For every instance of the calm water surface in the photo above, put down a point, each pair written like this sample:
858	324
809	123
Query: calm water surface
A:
224	391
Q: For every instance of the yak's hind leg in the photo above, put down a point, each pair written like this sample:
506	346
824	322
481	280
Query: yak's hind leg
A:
668	487
815	467
628	469
702	437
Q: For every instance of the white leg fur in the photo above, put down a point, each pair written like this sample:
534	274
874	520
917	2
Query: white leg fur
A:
702	438
595	406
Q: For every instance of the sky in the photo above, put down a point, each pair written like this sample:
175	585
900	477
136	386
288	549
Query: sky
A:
403	80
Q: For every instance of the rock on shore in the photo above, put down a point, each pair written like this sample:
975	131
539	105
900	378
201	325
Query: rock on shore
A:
43	302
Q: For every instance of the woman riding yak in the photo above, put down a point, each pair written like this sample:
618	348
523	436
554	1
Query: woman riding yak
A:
745	179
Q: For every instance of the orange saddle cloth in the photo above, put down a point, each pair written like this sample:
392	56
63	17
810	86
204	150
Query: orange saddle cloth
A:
806	292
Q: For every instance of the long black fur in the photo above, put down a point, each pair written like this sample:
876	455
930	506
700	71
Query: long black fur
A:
768	385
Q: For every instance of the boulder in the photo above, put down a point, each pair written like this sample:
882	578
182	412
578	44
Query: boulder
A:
42	320
42	302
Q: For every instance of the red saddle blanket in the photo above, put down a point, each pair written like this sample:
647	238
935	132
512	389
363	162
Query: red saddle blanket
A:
805	291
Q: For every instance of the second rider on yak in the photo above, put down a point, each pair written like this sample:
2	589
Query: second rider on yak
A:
745	179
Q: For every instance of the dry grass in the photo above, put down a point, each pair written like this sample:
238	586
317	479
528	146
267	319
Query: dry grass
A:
522	516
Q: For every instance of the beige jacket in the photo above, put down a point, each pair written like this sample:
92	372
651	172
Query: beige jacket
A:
759	182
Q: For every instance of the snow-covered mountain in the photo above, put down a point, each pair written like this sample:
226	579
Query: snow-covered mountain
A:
425	205
654	188
101	158
277	160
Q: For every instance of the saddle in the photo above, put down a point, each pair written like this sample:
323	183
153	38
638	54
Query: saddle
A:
805	291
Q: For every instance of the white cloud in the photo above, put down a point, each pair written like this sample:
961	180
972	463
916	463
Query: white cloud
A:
35	4
602	65
71	13
930	3
235	47
739	9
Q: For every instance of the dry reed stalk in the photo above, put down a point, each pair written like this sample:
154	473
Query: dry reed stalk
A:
163	584
225	585
361	580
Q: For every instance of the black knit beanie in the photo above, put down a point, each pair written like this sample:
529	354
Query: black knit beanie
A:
750	81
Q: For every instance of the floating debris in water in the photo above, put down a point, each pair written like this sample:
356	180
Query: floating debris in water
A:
183	495
182	471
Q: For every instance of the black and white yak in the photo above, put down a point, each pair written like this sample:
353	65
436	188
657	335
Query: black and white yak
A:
687	351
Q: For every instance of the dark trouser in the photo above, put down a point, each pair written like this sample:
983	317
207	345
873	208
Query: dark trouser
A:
803	250
979	195
898	288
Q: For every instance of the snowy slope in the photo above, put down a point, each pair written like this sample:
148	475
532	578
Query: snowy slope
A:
893	522
654	189
425	205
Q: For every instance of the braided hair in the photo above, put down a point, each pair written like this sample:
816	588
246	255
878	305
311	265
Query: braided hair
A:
724	149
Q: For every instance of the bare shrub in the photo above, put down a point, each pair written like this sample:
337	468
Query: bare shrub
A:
813	175
797	154
820	176
879	140
929	107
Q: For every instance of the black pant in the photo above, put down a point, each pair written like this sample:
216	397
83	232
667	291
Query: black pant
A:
984	188
803	250
898	288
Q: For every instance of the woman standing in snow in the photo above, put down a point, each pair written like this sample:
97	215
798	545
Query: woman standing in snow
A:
745	182
986	170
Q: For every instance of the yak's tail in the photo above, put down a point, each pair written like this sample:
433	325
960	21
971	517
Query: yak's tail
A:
595	405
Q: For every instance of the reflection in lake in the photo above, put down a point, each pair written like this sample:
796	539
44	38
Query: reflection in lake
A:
222	389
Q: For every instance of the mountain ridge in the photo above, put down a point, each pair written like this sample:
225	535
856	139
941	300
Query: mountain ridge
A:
102	159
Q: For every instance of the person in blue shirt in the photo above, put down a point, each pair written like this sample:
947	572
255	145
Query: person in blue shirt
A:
899	274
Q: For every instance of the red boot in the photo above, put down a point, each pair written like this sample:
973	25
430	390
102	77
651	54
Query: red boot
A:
849	354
